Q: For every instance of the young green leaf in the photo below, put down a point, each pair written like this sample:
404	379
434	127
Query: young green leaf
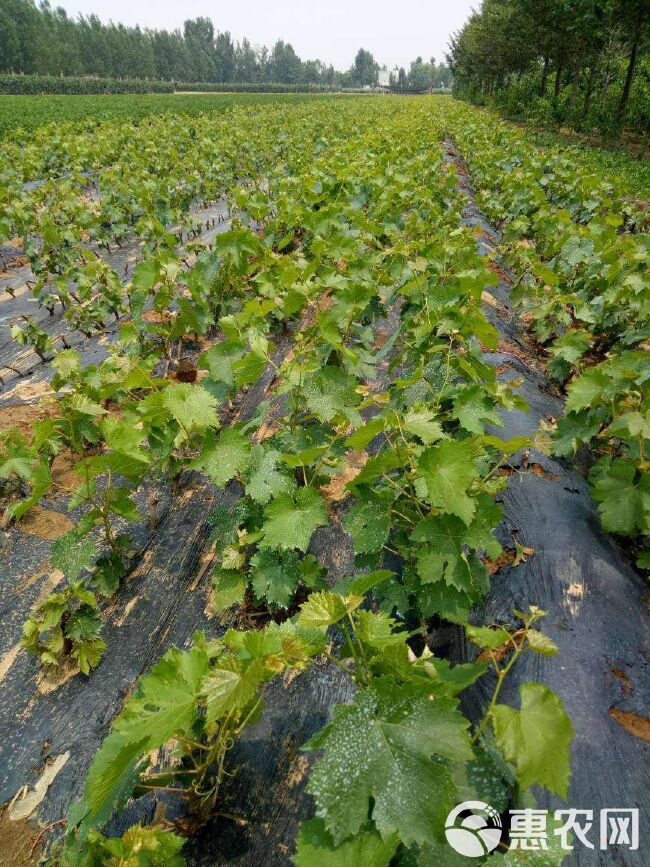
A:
223	458
448	469
315	848
537	738
289	521
323	609
192	406
266	479
368	522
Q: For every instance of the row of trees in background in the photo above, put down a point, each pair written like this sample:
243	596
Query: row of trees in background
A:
422	75
40	39
580	63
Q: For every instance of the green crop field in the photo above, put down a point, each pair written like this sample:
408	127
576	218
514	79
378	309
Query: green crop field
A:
23	114
274	370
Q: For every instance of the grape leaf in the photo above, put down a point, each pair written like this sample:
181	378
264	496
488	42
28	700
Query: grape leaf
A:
224	458
164	705
366	433
380	749
630	425
229	588
541	643
448	469
84	624
554	856
446	540
474	408
72	555
40	481
584	390
315	848
575	428
537	738
192	406
362	583
420	420
88	653
265	479
486	637
330	392
323	609
289	521
377	629
275	576
491	777
66	362
624	498
123	438
247	370
368	522
19	461
137	847
120	503
218	360
230	687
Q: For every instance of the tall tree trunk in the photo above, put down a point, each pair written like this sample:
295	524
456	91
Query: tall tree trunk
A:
589	91
575	84
631	66
544	82
606	80
558	81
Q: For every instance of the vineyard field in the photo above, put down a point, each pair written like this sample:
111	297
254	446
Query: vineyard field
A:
324	481
19	115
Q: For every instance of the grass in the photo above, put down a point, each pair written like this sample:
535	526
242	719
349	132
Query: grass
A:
617	164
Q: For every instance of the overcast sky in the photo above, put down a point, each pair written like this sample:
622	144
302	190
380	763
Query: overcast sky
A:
396	31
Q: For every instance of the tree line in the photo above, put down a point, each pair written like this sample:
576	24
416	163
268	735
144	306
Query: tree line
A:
421	75
40	39
580	63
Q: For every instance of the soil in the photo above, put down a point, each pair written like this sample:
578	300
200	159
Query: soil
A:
64	477
23	416
19	842
46	523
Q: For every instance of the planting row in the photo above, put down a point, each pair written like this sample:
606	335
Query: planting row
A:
349	245
580	255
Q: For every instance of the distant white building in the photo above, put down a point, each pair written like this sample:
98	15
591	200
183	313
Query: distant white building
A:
383	78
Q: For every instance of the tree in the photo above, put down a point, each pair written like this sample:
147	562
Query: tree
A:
365	69
247	67
224	58
634	16
10	47
199	37
507	51
285	63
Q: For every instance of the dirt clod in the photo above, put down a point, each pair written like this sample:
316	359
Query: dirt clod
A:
186	371
46	523
23	416
19	842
